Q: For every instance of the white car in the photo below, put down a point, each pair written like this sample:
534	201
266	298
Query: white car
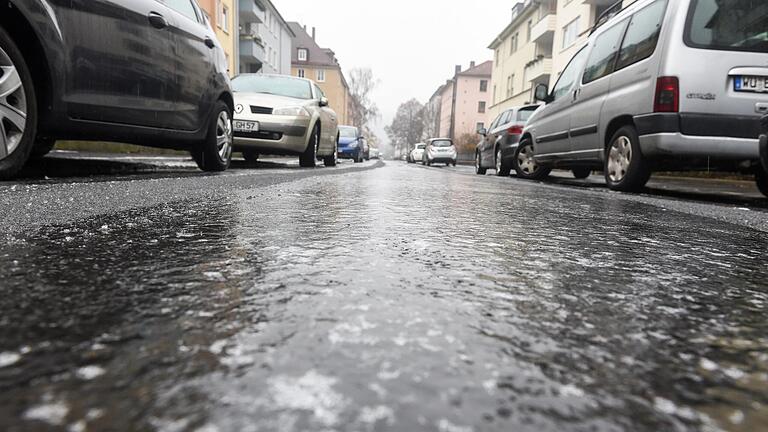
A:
417	153
375	153
284	115
440	150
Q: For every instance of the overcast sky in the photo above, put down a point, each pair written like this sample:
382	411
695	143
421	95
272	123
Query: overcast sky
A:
412	46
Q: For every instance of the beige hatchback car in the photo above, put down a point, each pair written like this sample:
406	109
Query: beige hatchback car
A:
283	115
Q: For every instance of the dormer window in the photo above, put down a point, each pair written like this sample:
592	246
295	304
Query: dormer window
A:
303	54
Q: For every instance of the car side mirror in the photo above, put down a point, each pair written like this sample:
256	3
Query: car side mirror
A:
482	131
323	102
542	93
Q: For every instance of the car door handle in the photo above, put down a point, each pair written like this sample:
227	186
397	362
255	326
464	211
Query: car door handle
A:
576	94
209	43
158	21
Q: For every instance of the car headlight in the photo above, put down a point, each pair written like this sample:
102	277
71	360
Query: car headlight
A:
354	144
297	111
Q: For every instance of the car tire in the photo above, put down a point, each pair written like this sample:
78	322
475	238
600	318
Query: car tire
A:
42	147
524	165
359	158
214	154
761	178
478	169
626	170
429	163
251	157
308	159
332	159
502	169
581	173
22	99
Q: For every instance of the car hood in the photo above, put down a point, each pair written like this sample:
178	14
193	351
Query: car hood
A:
267	100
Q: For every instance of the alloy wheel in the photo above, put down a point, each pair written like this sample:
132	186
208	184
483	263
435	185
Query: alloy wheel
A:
525	160
619	159
13	106
224	136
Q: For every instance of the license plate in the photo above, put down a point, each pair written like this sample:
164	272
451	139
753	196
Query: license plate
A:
746	83
246	126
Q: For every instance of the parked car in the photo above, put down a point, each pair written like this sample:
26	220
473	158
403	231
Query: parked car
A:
139	72
440	150
764	145
351	144
366	149
375	153
417	153
497	148
284	115
660	85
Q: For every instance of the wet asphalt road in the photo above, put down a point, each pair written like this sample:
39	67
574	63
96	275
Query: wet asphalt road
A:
381	297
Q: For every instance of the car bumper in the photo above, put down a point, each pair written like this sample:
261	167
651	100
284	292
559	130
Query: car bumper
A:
348	153
275	135
699	135
442	159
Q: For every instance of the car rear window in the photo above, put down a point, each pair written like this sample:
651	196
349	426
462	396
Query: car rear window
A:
442	143
732	25
525	113
420	146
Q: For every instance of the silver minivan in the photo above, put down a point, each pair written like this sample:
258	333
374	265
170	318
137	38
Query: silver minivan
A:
660	85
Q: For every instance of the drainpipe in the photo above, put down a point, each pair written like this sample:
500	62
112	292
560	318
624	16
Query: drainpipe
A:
236	39
764	142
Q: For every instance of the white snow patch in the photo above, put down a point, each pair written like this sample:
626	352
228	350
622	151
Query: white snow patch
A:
737	417
214	276
9	358
90	372
708	365
445	426
51	413
373	415
664	405
218	347
312	392
570	390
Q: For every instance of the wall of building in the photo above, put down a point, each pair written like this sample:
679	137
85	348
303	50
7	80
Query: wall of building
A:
224	26
468	98
569	12
333	87
446	110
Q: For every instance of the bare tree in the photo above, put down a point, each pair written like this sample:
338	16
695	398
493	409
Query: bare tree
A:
407	127
363	110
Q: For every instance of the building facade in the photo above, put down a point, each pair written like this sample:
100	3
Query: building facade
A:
265	39
221	15
464	101
575	18
311	61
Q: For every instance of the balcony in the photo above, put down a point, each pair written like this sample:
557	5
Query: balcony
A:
538	70
251	12
252	51
543	32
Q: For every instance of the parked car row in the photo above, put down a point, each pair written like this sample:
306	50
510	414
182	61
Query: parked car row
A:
660	85
150	73
434	151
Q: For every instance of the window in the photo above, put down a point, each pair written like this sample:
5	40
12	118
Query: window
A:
525	113
300	73
321	75
481	107
303	54
225	18
319	92
569	75
528	31
494	94
483	86
602	59
570	33
642	34
513	42
510	86
183	7
732	25
480	125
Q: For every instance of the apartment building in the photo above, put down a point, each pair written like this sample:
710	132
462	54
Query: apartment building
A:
309	60
221	15
523	54
464	100
574	20
265	38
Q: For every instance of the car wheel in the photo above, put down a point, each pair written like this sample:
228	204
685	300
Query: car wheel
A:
423	162
215	152
479	170
309	157
525	165
359	158
42	147
626	169
18	109
581	173
330	160
251	157
429	163
761	177
502	170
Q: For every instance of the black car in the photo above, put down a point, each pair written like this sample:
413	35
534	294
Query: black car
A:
137	71
497	148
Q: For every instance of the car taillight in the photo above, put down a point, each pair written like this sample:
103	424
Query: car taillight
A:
667	95
515	130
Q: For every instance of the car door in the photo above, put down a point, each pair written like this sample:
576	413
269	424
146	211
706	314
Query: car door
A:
329	123
194	65
553	120
486	146
590	93
121	61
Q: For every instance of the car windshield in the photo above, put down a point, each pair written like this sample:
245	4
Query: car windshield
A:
273	85
442	143
525	113
348	132
736	25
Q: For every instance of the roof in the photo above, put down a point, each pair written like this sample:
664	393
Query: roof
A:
316	56
519	12
482	70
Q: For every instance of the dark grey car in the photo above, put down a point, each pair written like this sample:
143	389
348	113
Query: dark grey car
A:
497	148
137	71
